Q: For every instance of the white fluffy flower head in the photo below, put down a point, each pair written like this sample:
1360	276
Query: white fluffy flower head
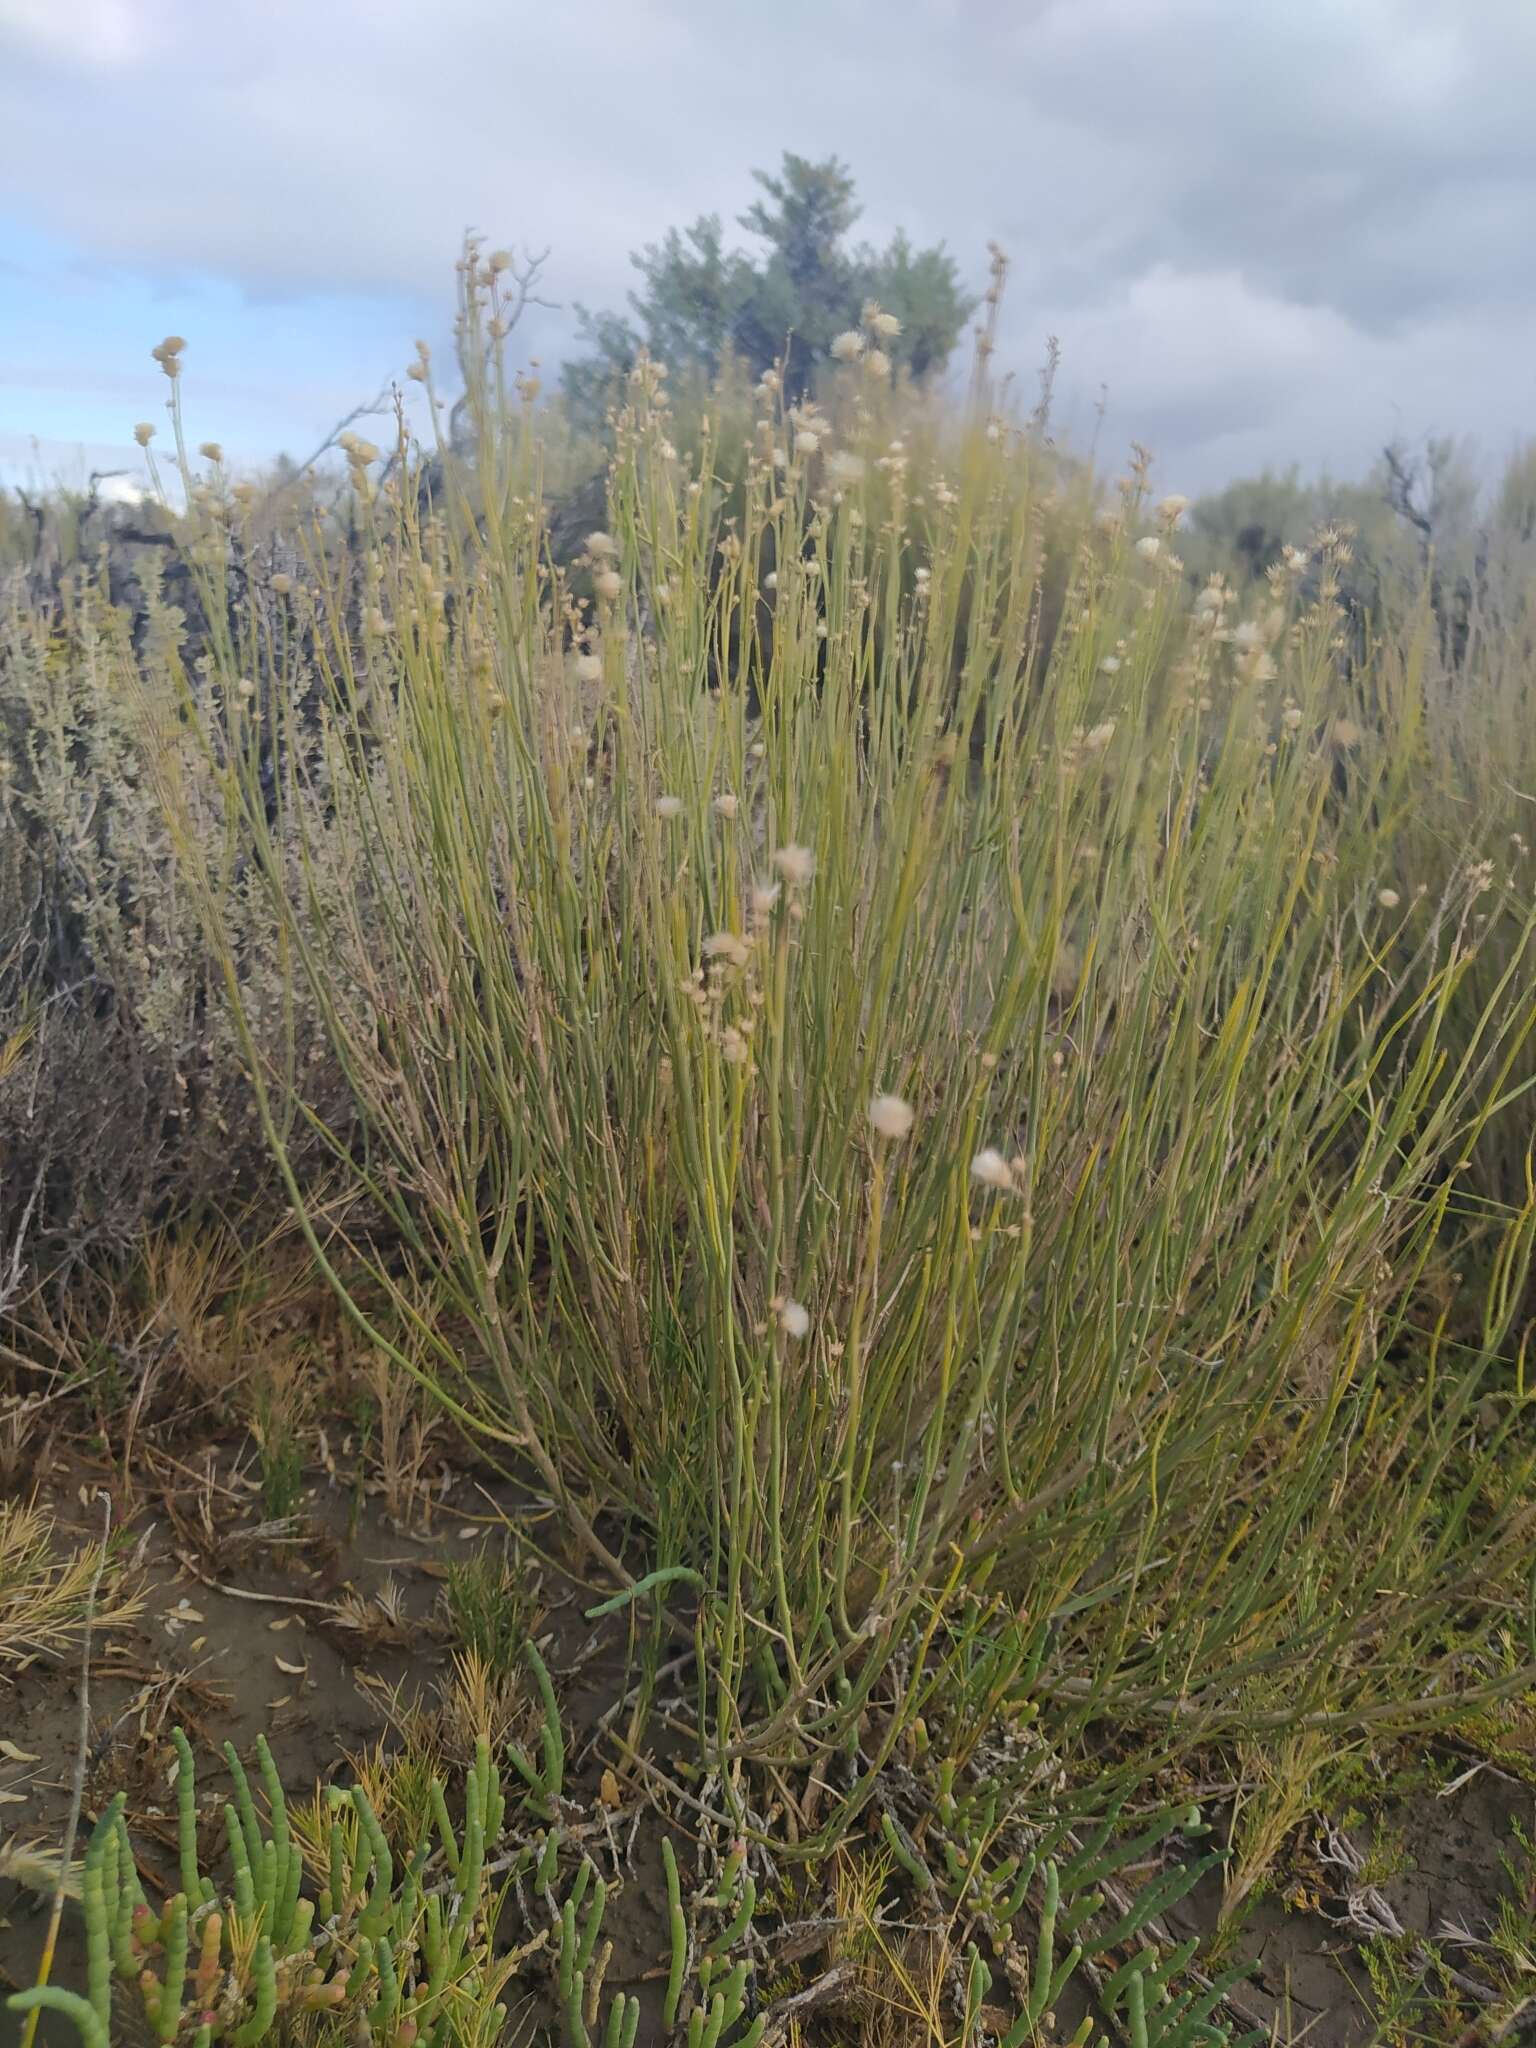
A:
891	1116
991	1169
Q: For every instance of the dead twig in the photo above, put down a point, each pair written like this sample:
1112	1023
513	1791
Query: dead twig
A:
243	1593
828	1987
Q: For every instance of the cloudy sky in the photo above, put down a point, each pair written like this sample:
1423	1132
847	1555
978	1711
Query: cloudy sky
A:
1273	234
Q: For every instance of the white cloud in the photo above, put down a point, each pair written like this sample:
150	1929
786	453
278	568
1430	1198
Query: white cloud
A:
1220	378
1248	221
75	34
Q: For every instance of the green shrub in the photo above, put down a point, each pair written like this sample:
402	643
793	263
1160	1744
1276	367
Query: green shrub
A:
910	1125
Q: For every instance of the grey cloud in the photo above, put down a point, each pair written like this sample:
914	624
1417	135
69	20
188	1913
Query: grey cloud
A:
1334	190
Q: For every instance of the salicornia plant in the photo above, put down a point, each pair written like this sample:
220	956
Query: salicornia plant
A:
402	1957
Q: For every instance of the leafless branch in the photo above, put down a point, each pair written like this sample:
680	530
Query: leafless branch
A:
1402	482
369	410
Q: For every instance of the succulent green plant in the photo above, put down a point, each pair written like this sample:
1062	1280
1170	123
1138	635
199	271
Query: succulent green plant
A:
400	1953
1060	1886
323	1925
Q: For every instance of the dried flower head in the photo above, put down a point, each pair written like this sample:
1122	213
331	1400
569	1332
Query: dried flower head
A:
848	346
589	668
729	946
602	546
1388	898
807	442
1149	547
1172	508
764	897
992	1169
281	584
844	469
144	433
669	807
211	451
609	584
886	325
891	1116
725	805
877	363
794	1318
796	864
167	354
